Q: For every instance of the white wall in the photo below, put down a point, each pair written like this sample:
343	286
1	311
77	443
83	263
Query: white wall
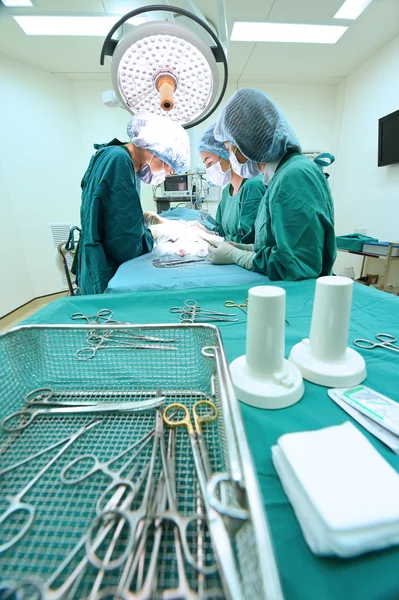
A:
15	283
41	160
309	108
367	195
99	124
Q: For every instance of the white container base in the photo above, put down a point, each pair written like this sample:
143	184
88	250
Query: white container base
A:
273	391
347	371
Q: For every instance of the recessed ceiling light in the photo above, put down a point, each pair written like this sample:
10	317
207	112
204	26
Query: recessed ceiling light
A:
351	9
286	32
13	3
87	26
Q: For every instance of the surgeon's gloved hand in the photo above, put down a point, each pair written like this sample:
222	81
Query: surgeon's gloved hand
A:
248	247
211	238
221	254
226	254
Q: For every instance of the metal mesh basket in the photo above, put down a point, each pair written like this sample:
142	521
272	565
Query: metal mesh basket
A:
33	357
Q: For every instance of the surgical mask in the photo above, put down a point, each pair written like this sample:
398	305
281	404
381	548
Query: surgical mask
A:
147	176
246	170
217	176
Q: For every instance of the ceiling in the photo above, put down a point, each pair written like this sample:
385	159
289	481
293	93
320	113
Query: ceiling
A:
78	57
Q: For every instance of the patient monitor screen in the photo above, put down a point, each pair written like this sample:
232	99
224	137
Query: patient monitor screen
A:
176	183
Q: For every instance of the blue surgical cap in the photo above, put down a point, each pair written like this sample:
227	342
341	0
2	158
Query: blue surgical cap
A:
164	138
208	143
252	122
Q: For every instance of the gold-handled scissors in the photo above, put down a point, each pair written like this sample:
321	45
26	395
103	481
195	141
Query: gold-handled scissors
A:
195	433
232	304
243	307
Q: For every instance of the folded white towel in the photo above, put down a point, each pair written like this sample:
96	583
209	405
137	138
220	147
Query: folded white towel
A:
344	494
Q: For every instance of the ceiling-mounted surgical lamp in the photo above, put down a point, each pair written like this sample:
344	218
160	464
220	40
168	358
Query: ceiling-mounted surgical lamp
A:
165	68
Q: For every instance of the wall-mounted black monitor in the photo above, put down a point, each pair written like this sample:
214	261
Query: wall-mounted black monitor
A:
388	139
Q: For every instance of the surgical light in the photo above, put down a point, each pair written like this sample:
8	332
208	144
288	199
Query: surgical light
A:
165	68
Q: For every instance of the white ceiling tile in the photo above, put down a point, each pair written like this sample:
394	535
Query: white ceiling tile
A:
237	57
247	62
121	7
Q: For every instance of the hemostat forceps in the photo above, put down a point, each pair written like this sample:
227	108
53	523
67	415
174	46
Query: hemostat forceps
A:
217	528
15	504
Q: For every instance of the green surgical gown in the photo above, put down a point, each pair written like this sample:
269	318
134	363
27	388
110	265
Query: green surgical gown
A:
294	229
236	215
113	228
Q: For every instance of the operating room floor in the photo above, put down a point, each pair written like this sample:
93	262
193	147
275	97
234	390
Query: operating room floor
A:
25	311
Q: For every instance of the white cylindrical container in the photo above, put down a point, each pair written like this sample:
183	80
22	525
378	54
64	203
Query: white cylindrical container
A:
265	330
325	358
263	378
330	318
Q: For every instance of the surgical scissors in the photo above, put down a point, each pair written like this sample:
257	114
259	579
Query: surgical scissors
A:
49	397
103	316
217	528
385	340
199	420
77	409
15	504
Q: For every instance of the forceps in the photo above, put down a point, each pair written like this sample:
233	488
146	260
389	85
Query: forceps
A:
78	408
166	494
170	264
193	317
97	343
104	468
132	517
44	590
217	528
385	340
116	334
166	485
192	306
15	504
103	316
183	589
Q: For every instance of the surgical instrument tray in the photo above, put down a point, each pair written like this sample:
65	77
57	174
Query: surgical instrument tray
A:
72	494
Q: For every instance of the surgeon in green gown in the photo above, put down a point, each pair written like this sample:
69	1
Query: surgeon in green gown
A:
294	228
112	224
237	210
